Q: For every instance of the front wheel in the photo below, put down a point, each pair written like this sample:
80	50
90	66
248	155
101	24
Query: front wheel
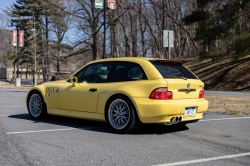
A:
121	115
36	106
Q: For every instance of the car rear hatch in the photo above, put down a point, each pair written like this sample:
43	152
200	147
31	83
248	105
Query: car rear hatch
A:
181	82
184	89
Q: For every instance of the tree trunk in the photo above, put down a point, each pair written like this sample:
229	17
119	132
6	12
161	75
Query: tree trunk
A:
58	65
94	48
134	32
27	72
47	61
115	41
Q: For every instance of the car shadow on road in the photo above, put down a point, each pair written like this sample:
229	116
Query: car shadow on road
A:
82	124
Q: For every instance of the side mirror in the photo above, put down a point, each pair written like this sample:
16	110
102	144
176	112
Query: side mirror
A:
74	80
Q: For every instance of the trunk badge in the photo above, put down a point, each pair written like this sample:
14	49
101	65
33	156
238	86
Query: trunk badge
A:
188	85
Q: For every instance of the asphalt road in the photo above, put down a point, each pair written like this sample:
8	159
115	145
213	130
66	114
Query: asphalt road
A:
216	140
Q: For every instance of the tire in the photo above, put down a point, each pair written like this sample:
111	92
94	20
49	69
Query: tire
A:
36	106
121	115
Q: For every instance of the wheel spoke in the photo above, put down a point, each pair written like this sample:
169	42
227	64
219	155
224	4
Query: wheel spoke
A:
119	114
123	121
35	105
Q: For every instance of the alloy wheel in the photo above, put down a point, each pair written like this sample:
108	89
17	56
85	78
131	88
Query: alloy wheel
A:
35	105
119	114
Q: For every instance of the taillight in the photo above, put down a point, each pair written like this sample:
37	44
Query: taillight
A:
161	94
201	95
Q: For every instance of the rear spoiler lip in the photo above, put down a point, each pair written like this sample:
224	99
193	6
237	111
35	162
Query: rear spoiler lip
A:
171	62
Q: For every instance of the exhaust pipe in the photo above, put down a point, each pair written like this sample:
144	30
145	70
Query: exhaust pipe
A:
180	118
174	120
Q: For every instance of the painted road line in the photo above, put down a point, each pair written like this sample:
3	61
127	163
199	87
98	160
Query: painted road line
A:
205	159
225	119
38	131
12	106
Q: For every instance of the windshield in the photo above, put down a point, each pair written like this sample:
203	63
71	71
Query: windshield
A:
173	70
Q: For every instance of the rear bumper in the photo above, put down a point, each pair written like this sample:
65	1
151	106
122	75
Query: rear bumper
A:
161	111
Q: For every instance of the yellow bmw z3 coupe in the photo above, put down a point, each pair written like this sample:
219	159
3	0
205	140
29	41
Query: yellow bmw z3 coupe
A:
125	92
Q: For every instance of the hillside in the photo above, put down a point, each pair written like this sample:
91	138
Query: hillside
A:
222	75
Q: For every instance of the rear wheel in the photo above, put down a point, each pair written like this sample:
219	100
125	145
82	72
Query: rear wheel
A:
121	115
36	106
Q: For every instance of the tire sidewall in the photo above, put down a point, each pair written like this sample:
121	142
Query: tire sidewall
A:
44	108
132	117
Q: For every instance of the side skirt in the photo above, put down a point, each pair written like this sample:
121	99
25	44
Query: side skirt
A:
76	114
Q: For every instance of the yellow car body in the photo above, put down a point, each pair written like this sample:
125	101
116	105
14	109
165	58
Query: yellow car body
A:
64	99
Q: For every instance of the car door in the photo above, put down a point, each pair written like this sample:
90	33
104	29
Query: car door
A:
84	96
122	75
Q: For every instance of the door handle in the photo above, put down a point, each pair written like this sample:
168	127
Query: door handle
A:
92	90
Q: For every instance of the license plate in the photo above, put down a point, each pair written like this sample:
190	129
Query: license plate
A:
190	112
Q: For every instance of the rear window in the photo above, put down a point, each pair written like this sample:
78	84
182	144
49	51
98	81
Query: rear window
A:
173	70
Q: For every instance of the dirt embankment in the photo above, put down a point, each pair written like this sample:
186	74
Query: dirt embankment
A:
222	75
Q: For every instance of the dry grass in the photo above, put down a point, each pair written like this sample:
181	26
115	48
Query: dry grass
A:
229	105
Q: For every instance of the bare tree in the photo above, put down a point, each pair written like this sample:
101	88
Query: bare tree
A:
5	35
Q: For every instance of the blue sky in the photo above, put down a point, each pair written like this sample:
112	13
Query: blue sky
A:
4	3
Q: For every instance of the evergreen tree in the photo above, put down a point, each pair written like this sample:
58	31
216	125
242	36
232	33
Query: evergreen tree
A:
48	14
18	14
223	27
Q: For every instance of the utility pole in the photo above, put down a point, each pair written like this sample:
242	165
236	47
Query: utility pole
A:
168	47
104	42
18	27
163	28
18	80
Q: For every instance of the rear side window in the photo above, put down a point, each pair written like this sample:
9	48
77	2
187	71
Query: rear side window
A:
127	71
173	70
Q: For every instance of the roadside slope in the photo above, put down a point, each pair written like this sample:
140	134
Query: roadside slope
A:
222	75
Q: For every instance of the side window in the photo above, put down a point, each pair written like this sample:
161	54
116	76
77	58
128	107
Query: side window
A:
127	71
96	73
79	74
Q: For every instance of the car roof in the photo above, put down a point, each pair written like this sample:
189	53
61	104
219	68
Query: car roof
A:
127	59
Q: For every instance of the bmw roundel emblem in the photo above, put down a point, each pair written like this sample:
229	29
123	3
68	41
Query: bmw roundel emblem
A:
188	85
